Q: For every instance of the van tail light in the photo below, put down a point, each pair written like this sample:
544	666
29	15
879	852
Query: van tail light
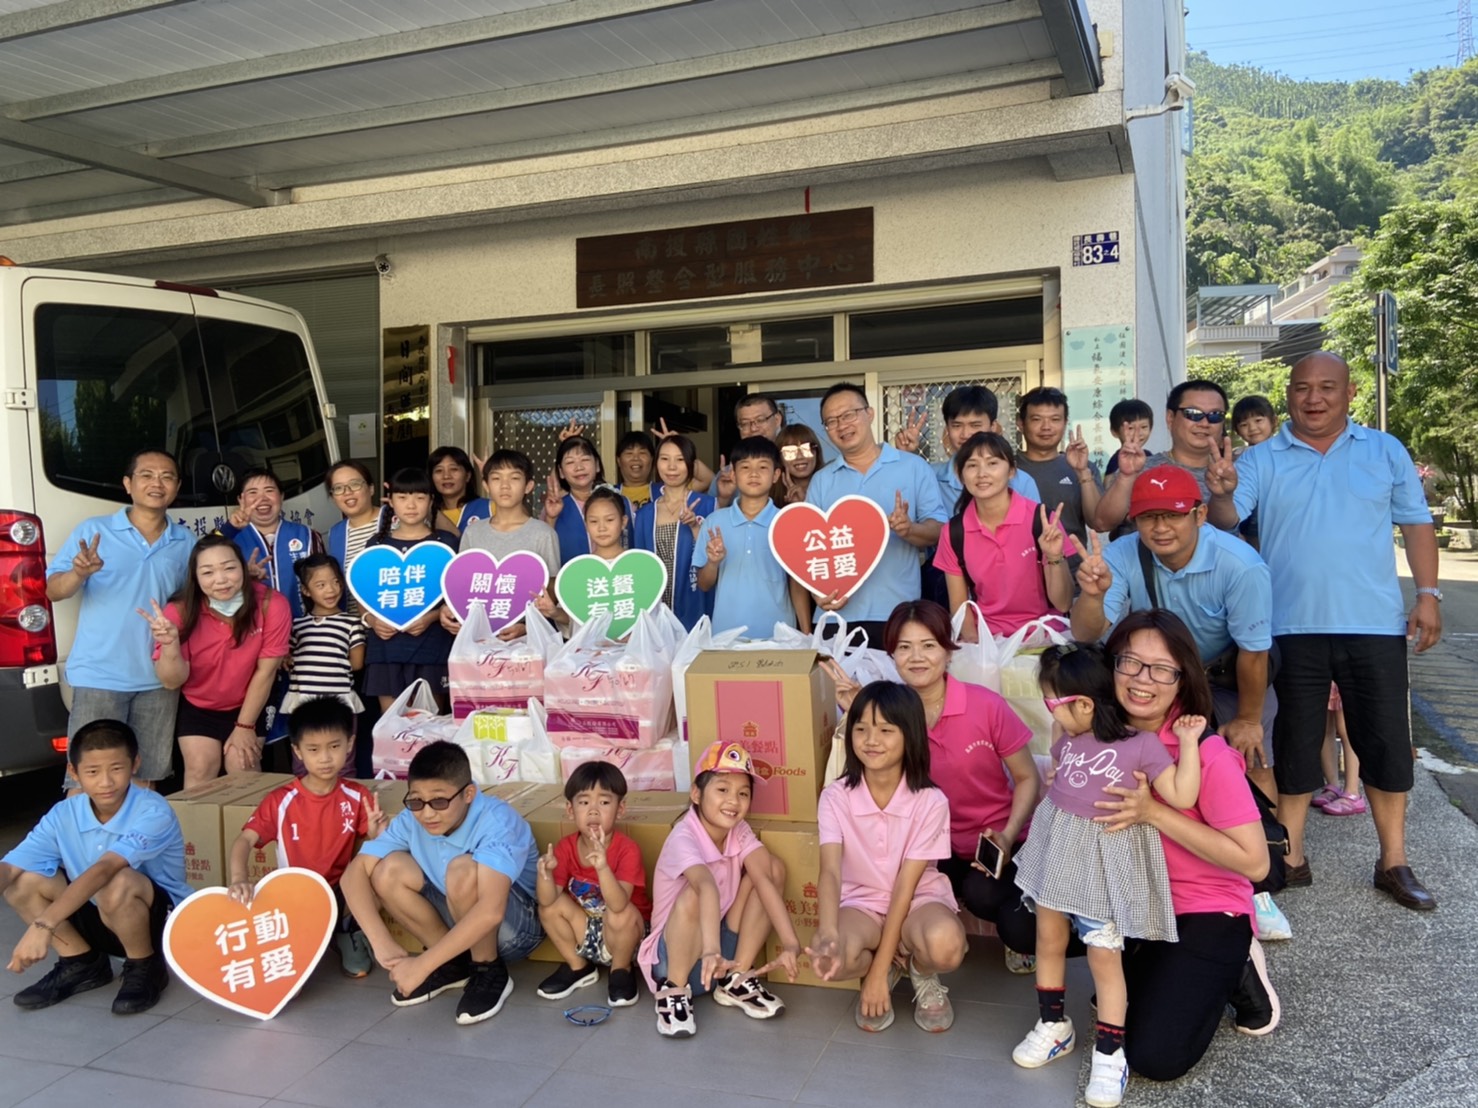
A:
27	637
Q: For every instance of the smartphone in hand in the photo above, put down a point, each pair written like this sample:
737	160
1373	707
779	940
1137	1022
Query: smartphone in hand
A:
989	855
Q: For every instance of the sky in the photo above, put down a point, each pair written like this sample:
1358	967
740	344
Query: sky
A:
1327	40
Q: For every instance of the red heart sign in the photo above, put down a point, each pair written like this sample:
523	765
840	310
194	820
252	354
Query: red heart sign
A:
832	551
252	960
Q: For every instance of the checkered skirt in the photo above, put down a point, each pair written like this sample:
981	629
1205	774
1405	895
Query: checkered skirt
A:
1073	865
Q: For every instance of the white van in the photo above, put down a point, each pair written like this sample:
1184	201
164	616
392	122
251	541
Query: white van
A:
96	367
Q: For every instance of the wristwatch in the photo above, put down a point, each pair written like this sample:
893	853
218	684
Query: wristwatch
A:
1432	592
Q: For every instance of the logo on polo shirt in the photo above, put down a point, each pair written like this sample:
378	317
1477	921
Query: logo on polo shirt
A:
295	545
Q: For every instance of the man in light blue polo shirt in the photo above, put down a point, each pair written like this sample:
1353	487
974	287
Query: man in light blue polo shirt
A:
457	869
119	563
901	484
1213	581
732	553
1327	492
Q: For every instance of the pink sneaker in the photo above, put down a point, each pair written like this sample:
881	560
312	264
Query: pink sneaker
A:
1346	804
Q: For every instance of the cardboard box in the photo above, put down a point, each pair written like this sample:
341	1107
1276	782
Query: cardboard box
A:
199	810
797	845
781	707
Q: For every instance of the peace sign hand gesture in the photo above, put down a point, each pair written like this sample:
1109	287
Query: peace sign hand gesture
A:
908	438
715	548
572	430
661	431
256	567
163	630
1051	541
900	520
726	482
86	561
1221	474
1131	459
375	816
554	500
1077	452
1094	575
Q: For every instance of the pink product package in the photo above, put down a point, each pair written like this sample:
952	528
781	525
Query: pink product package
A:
595	697
495	679
648	770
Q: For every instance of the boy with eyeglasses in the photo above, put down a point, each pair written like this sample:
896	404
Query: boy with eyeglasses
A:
1196	417
457	869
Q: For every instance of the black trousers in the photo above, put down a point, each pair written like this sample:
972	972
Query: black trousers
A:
995	900
1178	992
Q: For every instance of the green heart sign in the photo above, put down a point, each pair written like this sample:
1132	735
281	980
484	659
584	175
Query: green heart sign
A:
588	586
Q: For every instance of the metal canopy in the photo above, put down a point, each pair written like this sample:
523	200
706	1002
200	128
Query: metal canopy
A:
113	104
1229	305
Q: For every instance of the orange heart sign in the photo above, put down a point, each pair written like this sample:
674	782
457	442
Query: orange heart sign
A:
252	960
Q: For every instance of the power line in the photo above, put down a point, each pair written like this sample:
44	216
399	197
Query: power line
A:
1349	30
1341	54
1316	18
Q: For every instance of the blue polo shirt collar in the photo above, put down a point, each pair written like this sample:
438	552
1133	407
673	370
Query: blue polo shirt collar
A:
889	454
89	818
462	836
766	514
1286	440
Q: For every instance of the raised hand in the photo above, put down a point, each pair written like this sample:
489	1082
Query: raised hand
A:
847	689
86	561
908	438
690	519
256	567
1131	459
900	520
1094	575
1051	542
572	430
1221	474
554	500
726	482
547	863
1188	728
375	816
239	518
164	631
661	431
1077	451
596	845
715	548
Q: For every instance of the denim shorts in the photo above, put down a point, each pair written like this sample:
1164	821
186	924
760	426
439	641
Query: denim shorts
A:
1090	932
728	944
150	712
520	930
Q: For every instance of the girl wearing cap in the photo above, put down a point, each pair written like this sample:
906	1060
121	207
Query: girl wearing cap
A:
715	899
1001	550
883	829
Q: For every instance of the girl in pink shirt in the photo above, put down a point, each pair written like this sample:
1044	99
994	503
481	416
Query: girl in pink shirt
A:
1082	878
883	829
715	899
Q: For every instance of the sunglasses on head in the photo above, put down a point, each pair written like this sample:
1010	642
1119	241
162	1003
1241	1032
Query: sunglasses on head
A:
1199	415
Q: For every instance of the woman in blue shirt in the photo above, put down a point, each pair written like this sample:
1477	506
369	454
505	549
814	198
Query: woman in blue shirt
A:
668	527
577	471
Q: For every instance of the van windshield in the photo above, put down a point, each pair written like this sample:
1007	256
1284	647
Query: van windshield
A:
114	380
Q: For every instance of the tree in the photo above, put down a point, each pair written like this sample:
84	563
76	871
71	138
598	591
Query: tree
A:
1238	378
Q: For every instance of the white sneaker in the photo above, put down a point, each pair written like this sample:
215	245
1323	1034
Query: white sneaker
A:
1020	964
932	1010
1107	1079
675	1013
1043	1043
747	993
1272	924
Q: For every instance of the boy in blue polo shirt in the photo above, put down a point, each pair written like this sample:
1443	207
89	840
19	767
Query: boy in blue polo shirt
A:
97	877
457	870
732	553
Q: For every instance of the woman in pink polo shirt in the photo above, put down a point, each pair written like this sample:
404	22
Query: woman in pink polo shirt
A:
1179	991
1014	565
978	757
220	642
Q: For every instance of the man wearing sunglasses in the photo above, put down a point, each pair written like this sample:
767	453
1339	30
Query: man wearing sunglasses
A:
1196	416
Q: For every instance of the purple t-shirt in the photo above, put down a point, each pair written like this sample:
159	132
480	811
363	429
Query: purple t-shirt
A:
1085	767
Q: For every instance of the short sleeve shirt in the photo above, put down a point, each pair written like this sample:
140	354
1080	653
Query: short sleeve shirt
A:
113	647
950	485
875	842
220	669
492	833
1059	486
968	745
1325	528
582	882
1004	565
753	590
1224	594
312	832
896	577
533	536
1086	766
143	832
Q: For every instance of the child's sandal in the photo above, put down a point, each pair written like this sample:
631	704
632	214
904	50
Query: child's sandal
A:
1346	804
1325	796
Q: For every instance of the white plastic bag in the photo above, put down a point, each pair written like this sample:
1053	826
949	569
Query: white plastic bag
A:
699	639
617	694
1019	685
976	663
410	724
485	671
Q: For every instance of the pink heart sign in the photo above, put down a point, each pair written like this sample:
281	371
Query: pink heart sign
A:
831	551
506	587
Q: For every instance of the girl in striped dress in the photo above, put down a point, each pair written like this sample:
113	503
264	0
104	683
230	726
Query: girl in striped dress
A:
327	644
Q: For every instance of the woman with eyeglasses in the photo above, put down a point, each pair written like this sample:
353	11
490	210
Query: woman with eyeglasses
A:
1214	850
800	457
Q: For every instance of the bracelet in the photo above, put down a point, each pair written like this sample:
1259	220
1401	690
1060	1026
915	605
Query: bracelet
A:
49	928
252	727
1058	562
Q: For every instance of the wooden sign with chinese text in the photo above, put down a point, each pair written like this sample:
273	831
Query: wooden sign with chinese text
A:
799	251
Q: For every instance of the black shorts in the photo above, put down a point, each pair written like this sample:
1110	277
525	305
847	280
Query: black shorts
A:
194	720
1370	671
89	924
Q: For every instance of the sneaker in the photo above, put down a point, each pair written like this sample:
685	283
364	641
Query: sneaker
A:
747	993
675	1012
1299	876
563	981
932	1010
354	953
622	988
1044	1043
1272	924
67	977
1106	1080
487	989
1255	1003
1020	964
452	975
144	980
872	1023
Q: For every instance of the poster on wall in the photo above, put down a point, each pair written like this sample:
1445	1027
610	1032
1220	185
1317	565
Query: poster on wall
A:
1097	372
406	363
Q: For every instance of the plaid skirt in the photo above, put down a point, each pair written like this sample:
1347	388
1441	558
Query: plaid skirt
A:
1074	866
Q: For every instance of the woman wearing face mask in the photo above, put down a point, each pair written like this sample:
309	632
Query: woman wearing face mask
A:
800	457
220	642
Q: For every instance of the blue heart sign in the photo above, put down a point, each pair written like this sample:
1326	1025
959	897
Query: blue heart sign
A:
399	587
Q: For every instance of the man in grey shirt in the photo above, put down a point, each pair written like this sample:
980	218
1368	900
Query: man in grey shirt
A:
1064	479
